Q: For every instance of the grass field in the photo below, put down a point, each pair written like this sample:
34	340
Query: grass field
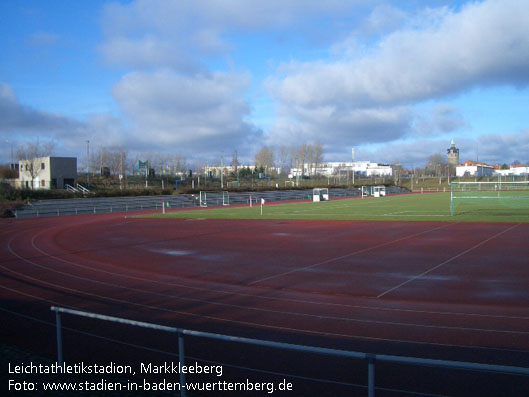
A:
412	207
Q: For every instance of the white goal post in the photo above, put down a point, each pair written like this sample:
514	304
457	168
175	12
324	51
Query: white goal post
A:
320	194
379	191
489	194
375	191
214	198
366	191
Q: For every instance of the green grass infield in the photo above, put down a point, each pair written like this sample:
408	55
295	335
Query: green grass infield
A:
428	207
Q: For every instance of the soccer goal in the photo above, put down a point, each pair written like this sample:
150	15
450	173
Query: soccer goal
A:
366	191
379	191
488	196
215	198
320	194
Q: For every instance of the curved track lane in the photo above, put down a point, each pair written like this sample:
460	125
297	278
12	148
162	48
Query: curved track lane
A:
418	289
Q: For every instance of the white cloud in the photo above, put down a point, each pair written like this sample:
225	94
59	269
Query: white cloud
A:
40	39
484	44
441	118
178	33
187	113
24	120
20	123
500	148
383	19
495	148
147	51
367	95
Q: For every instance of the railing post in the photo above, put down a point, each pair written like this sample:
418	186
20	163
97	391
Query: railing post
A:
181	355
370	375
59	337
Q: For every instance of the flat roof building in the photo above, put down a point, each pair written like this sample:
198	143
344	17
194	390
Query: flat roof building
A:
47	173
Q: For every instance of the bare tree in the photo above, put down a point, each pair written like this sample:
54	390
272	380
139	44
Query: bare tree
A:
310	159
265	157
435	164
317	156
398	171
302	158
31	154
284	159
235	162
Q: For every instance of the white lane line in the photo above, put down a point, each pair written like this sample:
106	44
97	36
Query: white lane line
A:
245	295
276	327
447	261
346	255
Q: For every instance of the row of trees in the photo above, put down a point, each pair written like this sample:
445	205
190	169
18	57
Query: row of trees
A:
306	156
119	161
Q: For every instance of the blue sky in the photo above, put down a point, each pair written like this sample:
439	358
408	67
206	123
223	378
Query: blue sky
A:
396	80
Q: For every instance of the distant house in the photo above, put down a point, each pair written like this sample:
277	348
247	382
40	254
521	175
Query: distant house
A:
361	168
47	173
471	168
216	171
513	170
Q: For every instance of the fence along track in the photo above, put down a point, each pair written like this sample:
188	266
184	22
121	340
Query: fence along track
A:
368	357
52	208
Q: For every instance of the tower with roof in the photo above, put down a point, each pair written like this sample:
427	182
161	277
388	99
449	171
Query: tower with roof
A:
453	157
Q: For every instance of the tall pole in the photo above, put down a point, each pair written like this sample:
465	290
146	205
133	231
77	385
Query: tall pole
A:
222	171
11	159
88	163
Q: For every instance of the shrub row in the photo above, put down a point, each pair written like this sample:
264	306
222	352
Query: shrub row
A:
9	193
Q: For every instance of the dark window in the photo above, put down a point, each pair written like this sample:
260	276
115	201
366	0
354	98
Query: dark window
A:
42	166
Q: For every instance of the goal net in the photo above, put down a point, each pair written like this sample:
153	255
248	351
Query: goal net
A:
320	194
488	196
214	198
366	191
379	191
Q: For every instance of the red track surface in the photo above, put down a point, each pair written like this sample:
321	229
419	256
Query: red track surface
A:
457	291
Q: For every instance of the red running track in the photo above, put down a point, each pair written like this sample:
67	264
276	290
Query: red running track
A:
456	291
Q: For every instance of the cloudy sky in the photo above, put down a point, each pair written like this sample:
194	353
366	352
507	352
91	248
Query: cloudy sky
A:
396	80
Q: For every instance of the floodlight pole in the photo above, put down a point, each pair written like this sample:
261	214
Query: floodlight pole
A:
11	160
88	163
222	170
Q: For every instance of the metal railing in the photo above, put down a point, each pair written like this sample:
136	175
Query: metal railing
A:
370	358
70	188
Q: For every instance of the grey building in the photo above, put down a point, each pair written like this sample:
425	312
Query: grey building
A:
47	173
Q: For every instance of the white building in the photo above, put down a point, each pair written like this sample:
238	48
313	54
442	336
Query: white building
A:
513	170
47	173
216	171
470	168
361	168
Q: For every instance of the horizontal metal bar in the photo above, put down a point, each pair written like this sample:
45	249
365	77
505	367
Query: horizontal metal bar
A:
115	319
306	349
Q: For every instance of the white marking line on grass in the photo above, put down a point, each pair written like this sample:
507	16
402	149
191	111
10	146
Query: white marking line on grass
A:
447	261
346	255
396	214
